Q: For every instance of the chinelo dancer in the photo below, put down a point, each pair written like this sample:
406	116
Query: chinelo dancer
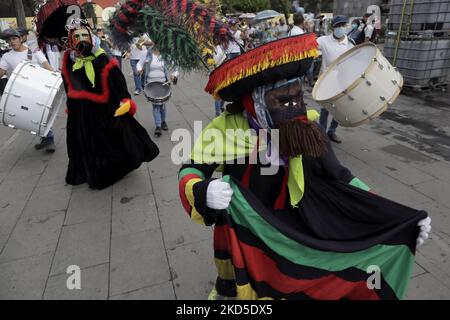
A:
290	222
309	229
104	141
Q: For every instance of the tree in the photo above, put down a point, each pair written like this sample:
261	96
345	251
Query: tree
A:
20	14
282	6
229	6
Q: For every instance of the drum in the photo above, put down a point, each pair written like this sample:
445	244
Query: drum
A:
157	92
358	86
32	98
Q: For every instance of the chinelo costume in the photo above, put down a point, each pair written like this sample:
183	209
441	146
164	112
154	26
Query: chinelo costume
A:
312	230
104	141
290	222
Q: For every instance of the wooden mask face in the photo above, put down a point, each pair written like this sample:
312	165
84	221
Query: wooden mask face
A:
285	103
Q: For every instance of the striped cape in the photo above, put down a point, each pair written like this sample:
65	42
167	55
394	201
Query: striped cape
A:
326	248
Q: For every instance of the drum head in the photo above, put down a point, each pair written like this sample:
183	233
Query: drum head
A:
342	73
157	91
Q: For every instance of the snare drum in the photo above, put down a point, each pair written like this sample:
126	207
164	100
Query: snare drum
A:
157	92
358	86
32	98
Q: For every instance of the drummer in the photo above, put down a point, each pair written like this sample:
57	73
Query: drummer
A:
331	47
156	71
10	60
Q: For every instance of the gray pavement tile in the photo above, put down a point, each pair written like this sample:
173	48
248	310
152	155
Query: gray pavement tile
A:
157	292
133	215
417	270
3	241
166	190
55	173
436	190
401	172
24	279
193	270
394	190
135	184
94	285
85	244
178	228
437	252
427	287
33	236
88	205
438	169
137	261
25	169
47	199
9	215
162	167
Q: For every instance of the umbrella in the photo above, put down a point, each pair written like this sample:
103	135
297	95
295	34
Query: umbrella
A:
266	14
247	16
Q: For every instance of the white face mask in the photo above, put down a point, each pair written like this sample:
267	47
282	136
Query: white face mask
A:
339	32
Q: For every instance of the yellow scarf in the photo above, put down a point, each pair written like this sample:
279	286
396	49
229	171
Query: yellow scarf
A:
86	62
209	149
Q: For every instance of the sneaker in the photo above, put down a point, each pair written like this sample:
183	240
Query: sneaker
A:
158	131
50	147
137	92
164	126
333	137
41	145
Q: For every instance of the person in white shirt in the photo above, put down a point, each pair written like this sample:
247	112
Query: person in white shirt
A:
10	60
367	27
219	58
331	47
299	25
156	71
137	50
234	45
282	29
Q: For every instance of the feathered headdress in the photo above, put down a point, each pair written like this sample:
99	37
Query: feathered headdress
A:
179	28
52	18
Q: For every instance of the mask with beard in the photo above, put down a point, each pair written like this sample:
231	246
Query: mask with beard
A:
84	48
81	41
298	135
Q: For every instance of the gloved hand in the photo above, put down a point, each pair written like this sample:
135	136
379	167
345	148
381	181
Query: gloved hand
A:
425	228
218	195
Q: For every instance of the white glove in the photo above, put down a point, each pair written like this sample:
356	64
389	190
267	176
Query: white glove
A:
218	195
425	228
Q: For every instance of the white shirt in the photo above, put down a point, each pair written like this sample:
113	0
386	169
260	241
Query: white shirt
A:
156	70
11	59
54	57
296	30
219	55
368	31
282	30
233	47
331	49
135	53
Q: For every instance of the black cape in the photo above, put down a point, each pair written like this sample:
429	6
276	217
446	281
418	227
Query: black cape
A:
101	148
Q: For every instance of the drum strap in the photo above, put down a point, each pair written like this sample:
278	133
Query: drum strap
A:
29	55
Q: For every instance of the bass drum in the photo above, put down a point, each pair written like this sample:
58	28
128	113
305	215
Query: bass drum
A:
358	86
32	99
157	92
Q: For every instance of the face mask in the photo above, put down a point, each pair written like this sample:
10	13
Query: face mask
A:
354	26
339	32
285	103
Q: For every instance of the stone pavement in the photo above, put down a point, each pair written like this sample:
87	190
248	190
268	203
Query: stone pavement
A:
134	241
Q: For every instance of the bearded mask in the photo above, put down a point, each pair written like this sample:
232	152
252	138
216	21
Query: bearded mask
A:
298	135
81	41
